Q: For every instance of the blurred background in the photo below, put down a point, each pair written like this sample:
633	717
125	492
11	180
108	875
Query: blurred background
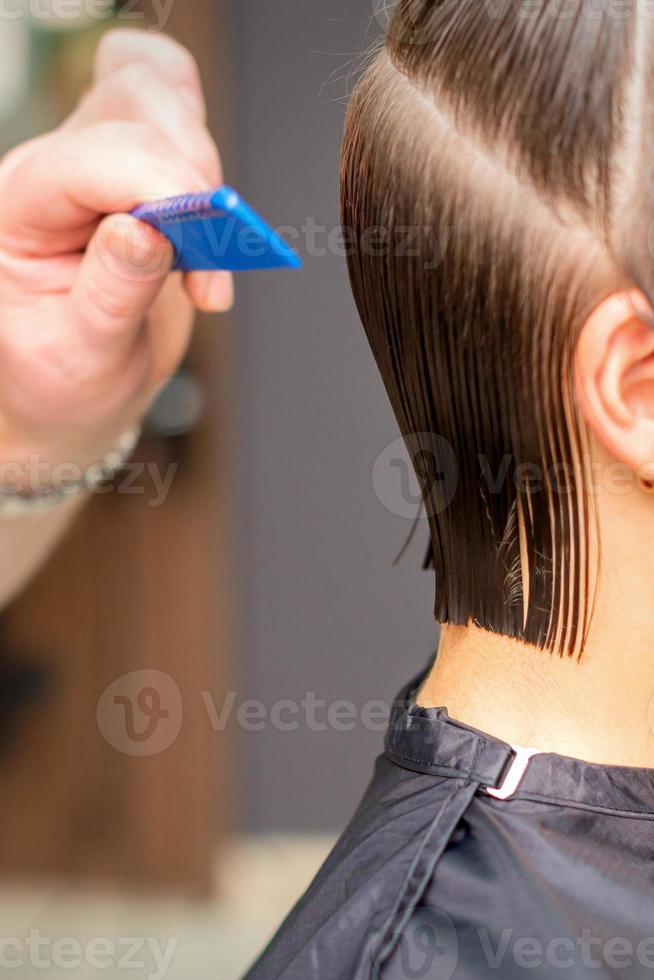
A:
194	690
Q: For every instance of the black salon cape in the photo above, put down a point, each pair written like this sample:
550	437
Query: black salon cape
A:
434	879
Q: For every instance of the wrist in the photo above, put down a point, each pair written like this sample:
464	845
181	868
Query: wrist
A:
33	477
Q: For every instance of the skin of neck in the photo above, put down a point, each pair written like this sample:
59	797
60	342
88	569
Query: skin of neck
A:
600	707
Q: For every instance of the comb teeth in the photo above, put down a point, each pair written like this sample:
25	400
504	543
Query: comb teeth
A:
179	207
217	229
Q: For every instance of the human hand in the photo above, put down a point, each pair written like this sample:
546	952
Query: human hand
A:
92	321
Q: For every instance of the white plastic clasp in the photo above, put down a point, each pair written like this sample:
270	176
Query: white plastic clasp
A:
515	774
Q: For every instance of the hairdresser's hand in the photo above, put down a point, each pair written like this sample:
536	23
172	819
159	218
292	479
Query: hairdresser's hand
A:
91	322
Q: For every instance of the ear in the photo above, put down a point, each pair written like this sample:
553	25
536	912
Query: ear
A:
615	379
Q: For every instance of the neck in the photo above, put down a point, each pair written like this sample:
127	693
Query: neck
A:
600	708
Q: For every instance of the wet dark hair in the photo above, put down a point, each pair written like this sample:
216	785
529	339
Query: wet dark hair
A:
509	140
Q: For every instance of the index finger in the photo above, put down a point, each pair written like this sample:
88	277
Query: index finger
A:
124	46
53	196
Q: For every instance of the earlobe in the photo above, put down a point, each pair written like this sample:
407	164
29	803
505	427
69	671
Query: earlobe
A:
614	377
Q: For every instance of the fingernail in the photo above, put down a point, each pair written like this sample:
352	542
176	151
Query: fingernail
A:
219	292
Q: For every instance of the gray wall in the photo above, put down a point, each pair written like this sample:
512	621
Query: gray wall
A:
324	609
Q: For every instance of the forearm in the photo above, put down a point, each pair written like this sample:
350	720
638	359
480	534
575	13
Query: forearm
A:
27	541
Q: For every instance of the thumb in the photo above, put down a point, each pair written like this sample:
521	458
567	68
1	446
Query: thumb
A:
123	270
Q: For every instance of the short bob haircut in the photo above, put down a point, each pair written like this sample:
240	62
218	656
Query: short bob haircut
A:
513	140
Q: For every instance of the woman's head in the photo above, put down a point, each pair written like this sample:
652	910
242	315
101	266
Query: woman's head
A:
495	188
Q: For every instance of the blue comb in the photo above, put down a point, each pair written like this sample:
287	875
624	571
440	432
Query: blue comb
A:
217	230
